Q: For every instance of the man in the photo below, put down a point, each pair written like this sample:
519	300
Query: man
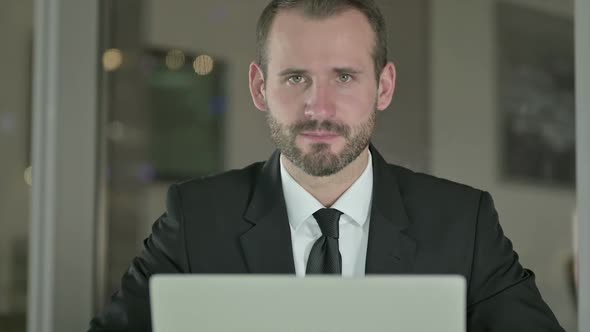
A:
326	201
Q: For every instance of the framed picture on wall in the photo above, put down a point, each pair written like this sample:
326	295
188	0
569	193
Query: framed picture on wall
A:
536	95
186	105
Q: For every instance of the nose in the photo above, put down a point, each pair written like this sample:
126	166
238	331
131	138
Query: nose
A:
320	102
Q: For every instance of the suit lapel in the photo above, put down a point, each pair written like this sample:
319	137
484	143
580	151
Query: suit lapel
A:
267	244
390	250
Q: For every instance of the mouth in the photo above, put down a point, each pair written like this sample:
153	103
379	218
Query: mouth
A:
319	135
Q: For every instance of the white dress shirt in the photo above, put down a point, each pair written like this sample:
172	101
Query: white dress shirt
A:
355	204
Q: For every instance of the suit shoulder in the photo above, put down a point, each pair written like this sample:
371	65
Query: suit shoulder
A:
422	184
228	182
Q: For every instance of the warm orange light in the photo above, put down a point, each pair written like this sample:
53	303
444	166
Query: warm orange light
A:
203	64
29	175
112	59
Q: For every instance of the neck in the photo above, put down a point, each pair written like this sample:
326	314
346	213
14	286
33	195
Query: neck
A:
327	189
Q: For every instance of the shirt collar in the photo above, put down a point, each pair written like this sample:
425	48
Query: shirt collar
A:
355	202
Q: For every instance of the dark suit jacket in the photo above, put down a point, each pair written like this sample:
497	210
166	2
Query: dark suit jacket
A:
236	222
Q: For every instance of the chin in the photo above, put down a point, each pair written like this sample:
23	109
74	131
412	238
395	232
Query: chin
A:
322	148
311	147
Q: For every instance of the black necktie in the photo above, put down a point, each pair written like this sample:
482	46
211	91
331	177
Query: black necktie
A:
324	257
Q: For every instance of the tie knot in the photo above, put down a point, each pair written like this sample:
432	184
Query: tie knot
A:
327	219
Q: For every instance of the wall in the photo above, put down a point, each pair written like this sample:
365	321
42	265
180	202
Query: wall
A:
465	142
16	39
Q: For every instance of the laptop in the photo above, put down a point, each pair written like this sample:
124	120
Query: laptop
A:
268	303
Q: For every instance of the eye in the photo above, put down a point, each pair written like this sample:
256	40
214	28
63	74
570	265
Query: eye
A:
296	79
345	78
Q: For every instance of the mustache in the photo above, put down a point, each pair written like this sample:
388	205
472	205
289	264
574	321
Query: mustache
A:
314	125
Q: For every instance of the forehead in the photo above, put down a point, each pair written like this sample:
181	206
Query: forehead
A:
343	39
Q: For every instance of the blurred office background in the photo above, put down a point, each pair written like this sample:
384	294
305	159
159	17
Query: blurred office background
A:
485	96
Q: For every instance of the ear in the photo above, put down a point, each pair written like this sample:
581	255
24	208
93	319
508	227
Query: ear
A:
257	86
386	86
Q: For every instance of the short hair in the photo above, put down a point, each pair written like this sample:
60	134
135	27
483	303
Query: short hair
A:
319	9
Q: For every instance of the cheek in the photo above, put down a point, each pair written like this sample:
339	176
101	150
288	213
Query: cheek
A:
286	103
357	103
287	96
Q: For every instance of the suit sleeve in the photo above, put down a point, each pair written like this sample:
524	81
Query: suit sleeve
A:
502	294
163	252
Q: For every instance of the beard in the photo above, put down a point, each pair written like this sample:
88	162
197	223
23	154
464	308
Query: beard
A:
320	160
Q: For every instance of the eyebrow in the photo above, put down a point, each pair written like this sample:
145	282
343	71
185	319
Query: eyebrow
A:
347	70
292	71
338	70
